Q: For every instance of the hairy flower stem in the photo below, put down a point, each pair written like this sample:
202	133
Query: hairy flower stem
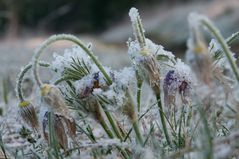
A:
211	27
114	125
110	134
73	39
21	76
138	133
161	112
131	112
139	89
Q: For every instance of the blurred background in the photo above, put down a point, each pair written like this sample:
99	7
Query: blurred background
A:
25	24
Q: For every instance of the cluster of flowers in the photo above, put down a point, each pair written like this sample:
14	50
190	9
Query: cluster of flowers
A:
80	81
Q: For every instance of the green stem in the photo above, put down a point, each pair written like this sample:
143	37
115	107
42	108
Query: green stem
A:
161	112
107	129
114	126
139	87
21	76
73	39
109	132
137	132
210	26
133	116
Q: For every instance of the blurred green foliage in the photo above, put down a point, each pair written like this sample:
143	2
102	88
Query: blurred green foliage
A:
64	15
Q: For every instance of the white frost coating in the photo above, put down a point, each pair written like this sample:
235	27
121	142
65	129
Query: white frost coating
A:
62	61
133	14
134	50
195	42
125	76
194	19
184	70
222	151
178	84
221	62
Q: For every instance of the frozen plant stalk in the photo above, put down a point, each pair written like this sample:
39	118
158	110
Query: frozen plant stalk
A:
146	64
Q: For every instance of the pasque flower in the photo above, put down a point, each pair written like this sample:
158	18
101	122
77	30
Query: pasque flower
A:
144	59
59	122
177	81
28	114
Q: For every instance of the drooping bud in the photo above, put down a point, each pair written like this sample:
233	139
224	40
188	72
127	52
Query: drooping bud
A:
52	96
28	114
197	54
70	125
58	131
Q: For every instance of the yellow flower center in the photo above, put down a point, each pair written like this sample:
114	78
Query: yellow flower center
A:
145	51
45	89
24	104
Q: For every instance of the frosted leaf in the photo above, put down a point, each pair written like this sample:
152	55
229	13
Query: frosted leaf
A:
60	62
218	55
125	76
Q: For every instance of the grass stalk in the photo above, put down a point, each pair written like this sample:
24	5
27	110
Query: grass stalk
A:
161	112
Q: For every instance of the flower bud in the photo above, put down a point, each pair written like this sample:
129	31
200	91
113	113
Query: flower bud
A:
59	130
28	114
51	95
150	70
177	82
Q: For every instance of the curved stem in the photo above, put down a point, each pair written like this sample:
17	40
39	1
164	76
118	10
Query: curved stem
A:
73	39
210	26
21	76
161	112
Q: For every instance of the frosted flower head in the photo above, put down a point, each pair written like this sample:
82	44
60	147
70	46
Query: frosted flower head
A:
196	43
28	114
149	69
88	84
177	82
52	96
145	61
197	54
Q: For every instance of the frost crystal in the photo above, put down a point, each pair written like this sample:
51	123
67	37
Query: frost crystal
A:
134	14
